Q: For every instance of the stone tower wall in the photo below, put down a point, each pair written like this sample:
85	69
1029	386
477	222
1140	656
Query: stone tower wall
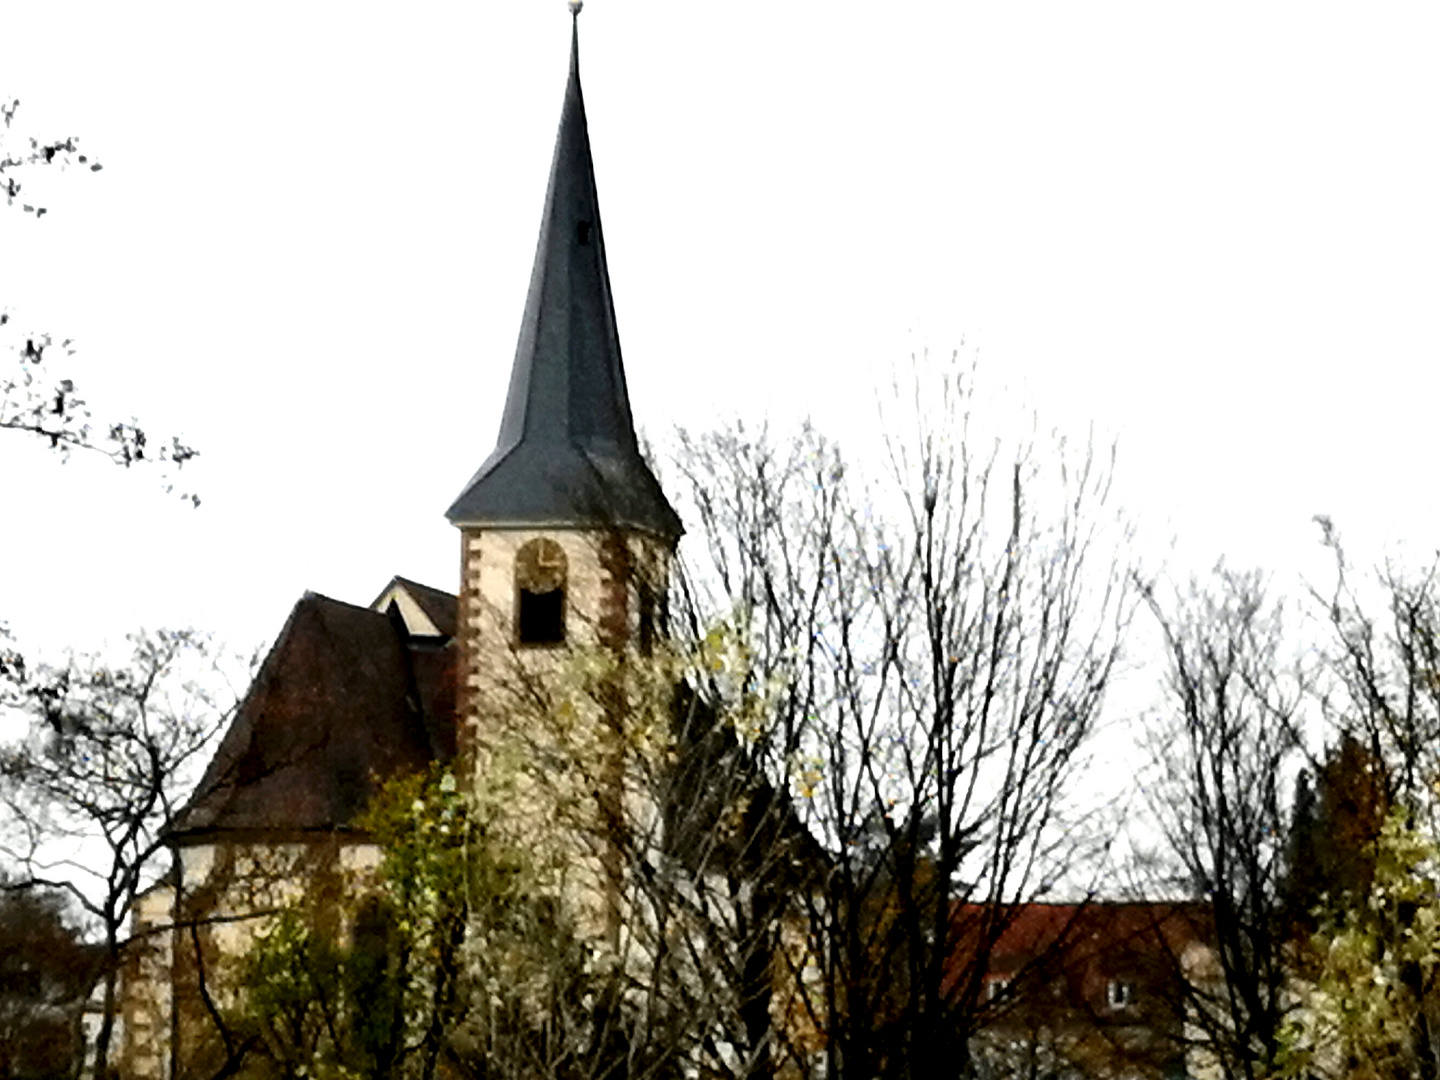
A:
605	570
545	745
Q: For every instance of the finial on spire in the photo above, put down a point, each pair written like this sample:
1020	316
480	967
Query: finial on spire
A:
576	6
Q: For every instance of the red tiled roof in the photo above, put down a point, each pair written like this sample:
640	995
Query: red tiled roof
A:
1092	942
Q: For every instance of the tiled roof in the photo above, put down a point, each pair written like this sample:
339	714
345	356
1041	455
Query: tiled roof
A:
344	701
1090	942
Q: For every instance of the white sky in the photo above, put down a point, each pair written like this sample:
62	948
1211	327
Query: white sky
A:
1211	230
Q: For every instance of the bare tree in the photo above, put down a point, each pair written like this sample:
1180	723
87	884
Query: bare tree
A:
785	837
1386	665
1228	747
48	406
940	643
33	154
89	793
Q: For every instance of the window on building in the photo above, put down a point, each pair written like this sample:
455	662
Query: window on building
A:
1119	994
540	570
995	986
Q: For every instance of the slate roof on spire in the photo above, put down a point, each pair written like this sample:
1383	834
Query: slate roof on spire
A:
567	453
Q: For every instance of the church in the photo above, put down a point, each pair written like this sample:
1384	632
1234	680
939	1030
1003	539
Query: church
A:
566	540
567	543
565	537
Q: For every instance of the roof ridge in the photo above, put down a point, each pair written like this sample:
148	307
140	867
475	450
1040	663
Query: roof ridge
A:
421	585
310	594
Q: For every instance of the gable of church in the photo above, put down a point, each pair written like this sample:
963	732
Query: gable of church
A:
346	699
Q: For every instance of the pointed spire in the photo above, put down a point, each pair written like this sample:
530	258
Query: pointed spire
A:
567	453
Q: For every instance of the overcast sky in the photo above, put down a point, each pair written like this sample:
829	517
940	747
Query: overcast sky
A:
1211	231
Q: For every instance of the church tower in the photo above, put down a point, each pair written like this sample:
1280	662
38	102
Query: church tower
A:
566	536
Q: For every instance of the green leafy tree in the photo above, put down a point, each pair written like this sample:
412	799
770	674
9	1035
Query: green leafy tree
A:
360	975
1370	1007
571	910
448	950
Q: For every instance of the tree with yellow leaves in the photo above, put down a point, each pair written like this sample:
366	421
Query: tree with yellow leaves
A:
1371	1009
